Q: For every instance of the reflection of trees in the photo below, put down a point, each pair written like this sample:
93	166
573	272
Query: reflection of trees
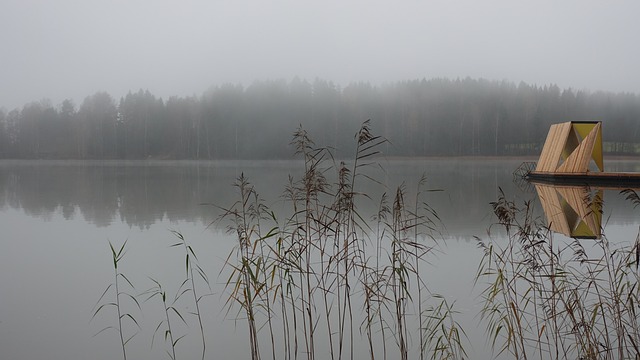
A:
139	193
142	193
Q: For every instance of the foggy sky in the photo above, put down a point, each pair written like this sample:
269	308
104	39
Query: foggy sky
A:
72	48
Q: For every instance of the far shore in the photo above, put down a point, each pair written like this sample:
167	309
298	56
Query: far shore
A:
165	160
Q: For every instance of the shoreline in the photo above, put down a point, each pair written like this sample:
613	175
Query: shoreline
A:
527	158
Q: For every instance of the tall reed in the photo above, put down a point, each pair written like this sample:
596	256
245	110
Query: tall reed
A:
117	302
248	280
164	326
189	284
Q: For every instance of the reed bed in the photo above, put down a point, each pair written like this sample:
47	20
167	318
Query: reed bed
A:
556	299
326	277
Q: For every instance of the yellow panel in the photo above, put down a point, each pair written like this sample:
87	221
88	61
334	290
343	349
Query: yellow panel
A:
582	230
583	129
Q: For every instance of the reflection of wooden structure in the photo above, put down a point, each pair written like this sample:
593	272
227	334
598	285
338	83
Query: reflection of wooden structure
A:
574	211
572	153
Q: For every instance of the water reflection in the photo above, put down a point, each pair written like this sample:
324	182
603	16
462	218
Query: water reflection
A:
575	211
138	194
141	194
141	201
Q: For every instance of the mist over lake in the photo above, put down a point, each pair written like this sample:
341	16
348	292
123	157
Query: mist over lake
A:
317	180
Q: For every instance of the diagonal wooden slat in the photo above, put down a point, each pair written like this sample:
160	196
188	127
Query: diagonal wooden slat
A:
553	147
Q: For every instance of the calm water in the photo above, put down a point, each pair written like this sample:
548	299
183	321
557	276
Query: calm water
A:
57	219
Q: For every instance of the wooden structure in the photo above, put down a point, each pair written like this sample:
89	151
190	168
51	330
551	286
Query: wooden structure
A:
570	147
572	154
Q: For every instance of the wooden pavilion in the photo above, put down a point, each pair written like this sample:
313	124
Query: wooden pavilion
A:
572	154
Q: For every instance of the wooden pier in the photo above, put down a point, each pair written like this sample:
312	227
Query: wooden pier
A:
572	155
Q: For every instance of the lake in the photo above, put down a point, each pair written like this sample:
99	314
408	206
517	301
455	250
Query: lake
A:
57	219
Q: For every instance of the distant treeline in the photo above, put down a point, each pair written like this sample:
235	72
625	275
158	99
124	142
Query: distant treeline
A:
438	117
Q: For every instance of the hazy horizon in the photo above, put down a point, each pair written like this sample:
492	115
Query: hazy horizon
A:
70	49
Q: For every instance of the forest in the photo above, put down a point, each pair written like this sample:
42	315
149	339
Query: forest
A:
436	117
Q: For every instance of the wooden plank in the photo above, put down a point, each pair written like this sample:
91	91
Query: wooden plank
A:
545	160
553	147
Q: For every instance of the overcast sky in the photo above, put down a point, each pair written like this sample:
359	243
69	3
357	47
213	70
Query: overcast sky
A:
73	48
